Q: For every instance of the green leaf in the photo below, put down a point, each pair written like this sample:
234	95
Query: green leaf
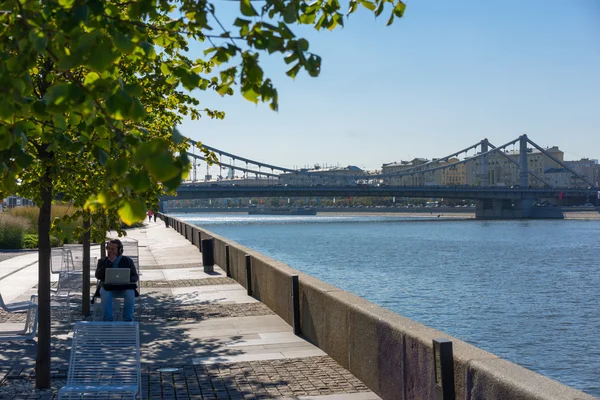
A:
132	211
102	57
66	3
190	80
124	43
139	181
303	45
247	9
38	108
290	58
119	105
90	78
57	97
161	167
250	95
117	167
294	70
100	155
368	4
38	39
379	8
399	9
164	68
137	112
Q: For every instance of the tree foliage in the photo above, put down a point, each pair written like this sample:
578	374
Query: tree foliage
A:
92	91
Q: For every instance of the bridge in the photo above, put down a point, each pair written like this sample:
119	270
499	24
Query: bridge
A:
518	201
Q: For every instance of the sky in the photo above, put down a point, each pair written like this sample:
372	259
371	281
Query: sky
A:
443	77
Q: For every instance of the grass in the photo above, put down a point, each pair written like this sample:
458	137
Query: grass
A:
12	231
19	227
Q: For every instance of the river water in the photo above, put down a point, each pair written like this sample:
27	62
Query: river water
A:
527	291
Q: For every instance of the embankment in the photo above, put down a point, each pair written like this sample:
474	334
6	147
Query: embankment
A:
391	354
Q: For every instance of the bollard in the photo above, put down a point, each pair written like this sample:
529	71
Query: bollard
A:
227	261
208	258
249	274
200	241
443	361
166	222
296	305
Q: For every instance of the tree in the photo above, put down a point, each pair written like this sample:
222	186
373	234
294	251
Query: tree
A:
92	91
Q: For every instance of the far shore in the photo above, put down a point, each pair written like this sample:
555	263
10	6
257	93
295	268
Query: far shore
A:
420	212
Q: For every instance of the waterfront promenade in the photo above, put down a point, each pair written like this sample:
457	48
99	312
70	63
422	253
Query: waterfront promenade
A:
202	336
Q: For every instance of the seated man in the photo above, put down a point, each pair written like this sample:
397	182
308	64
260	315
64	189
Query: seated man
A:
116	259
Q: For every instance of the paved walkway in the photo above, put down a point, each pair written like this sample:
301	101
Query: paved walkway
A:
202	336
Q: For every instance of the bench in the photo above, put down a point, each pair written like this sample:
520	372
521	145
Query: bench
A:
104	362
29	330
69	282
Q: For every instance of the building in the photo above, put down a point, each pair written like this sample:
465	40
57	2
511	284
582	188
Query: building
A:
587	168
454	175
405	167
503	172
331	176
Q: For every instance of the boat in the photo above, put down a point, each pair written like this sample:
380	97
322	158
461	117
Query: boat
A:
283	211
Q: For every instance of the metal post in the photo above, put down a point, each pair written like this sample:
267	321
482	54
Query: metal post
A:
227	261
443	360
296	305
485	174
249	273
523	168
208	258
85	294
200	241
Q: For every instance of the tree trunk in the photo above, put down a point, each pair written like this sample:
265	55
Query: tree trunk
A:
42	362
85	296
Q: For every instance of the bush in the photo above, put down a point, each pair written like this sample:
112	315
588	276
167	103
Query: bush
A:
30	241
55	242
12	230
32	214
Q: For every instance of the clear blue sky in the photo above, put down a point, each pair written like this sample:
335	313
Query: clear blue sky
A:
445	76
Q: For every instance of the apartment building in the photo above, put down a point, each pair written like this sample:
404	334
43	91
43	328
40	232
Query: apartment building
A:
455	175
407	166
336	176
504	172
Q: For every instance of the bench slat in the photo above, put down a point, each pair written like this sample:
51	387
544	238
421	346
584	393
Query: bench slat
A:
105	357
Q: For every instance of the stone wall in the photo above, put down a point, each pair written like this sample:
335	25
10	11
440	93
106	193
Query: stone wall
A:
391	354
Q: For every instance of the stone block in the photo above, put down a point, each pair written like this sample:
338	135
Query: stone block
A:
498	379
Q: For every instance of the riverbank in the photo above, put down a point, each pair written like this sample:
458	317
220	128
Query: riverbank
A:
411	212
202	335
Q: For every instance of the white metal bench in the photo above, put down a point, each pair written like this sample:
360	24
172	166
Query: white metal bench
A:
29	330
104	362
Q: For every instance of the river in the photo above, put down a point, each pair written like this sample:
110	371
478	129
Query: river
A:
528	291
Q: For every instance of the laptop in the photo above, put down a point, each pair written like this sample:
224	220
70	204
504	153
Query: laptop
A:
117	276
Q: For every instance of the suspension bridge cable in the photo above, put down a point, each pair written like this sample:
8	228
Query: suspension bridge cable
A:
503	154
561	163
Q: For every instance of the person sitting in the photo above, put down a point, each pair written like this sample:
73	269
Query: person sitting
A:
116	259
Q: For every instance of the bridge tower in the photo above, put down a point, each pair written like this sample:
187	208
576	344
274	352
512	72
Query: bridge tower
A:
485	173
523	171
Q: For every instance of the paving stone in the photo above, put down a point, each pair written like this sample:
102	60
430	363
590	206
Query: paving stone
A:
171	266
187	282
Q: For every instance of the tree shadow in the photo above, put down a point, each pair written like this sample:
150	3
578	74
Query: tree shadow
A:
173	352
